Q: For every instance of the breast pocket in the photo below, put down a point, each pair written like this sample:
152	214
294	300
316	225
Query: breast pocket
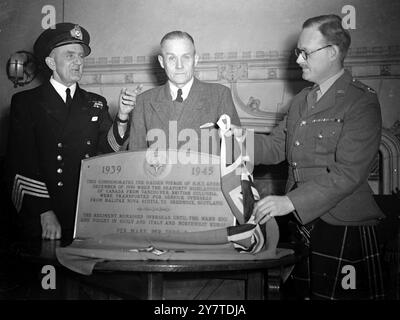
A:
326	136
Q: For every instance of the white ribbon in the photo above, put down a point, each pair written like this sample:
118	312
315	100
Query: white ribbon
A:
224	124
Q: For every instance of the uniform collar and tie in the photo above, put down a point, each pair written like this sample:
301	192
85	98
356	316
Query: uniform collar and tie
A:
185	90
61	89
317	91
324	86
312	96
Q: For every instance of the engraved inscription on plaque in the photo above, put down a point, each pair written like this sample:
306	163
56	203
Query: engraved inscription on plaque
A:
125	192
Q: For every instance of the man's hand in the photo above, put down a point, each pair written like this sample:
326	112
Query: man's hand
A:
51	228
127	101
272	206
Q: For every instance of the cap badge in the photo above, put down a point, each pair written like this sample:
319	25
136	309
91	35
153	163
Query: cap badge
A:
76	32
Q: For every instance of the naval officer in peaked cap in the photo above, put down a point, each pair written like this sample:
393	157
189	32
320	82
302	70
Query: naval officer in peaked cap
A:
52	128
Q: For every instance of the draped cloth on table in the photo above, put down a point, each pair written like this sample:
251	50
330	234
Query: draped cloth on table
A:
246	240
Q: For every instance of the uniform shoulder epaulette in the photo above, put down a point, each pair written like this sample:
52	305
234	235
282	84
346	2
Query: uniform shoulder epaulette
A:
362	86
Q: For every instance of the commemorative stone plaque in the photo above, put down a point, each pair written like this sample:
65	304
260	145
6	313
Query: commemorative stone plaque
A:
134	192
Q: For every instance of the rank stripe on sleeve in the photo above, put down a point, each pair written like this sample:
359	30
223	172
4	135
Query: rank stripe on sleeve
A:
27	186
112	141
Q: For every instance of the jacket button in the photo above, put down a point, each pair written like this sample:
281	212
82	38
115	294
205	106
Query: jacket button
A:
294	164
320	136
59	170
60	184
297	143
88	142
303	123
59	158
60	145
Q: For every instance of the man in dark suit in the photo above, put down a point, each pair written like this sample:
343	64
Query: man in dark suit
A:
52	128
174	112
330	138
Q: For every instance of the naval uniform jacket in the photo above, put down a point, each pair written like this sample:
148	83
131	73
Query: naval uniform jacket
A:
47	142
330	150
155	109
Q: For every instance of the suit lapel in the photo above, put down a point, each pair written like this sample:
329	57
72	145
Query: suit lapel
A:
163	104
194	105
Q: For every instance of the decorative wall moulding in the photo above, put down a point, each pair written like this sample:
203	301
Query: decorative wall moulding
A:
262	82
377	52
232	72
237	67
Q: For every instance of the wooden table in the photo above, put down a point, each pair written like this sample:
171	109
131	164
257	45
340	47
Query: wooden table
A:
163	280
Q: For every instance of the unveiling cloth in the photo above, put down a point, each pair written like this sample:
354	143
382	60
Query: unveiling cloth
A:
83	255
246	240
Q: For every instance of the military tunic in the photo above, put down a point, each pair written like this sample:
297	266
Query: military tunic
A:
47	141
330	149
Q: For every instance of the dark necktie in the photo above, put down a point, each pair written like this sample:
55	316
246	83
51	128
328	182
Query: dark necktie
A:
68	101
179	96
312	97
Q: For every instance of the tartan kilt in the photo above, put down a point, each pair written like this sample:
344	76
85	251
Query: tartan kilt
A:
323	276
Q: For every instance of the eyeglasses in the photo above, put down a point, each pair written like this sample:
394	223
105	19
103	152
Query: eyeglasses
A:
304	54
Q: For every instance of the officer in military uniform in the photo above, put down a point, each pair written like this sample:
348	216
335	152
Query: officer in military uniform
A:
52	128
330	137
